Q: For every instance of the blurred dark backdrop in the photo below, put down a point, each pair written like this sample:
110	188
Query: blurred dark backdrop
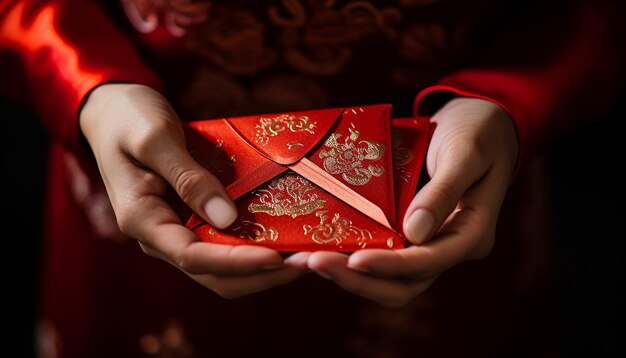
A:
587	182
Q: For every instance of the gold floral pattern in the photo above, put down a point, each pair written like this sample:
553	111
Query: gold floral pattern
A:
402	156
338	230
255	232
347	158
271	127
290	195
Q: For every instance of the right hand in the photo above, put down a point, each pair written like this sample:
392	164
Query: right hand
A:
139	145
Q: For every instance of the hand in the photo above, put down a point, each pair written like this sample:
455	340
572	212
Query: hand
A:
453	218
139	145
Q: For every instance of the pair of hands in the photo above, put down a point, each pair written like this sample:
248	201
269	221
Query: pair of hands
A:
139	145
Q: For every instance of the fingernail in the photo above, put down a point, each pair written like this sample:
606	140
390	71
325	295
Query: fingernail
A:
220	212
418	226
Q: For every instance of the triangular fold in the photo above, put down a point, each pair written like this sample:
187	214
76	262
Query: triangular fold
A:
285	137
358	153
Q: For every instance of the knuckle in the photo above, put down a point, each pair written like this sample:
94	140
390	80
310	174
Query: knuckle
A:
190	261
187	183
184	263
125	220
128	215
148	137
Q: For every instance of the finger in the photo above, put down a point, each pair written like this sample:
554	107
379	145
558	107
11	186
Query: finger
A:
468	234
446	249
387	292
434	202
200	189
196	186
162	231
242	285
144	215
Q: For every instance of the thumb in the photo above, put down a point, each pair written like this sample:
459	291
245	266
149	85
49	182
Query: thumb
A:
434	202
196	186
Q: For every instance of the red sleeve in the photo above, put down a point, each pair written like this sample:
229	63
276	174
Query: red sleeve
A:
551	70
64	49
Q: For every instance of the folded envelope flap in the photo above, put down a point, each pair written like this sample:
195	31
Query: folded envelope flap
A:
219	149
364	155
214	145
285	138
358	154
351	145
411	138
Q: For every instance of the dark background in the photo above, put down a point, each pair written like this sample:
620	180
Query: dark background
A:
587	188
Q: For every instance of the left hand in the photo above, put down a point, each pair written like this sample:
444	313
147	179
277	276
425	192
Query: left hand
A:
470	161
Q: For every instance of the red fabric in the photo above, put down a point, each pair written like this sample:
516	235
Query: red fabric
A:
549	74
343	164
66	48
102	298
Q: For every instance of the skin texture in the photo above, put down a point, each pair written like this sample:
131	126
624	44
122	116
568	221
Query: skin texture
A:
139	146
453	218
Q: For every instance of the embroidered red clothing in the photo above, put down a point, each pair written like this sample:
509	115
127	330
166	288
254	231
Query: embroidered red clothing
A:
551	67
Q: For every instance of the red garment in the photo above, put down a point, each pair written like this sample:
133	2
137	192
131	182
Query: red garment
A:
551	68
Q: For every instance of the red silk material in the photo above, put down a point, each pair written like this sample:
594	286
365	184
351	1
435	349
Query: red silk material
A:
336	179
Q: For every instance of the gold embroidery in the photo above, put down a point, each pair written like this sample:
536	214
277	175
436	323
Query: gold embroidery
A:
287	195
271	127
347	159
402	156
338	230
390	242
404	174
256	231
212	231
290	146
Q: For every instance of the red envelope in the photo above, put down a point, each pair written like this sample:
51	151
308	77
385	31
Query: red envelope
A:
336	179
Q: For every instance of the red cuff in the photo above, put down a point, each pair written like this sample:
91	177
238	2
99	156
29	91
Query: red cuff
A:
67	48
